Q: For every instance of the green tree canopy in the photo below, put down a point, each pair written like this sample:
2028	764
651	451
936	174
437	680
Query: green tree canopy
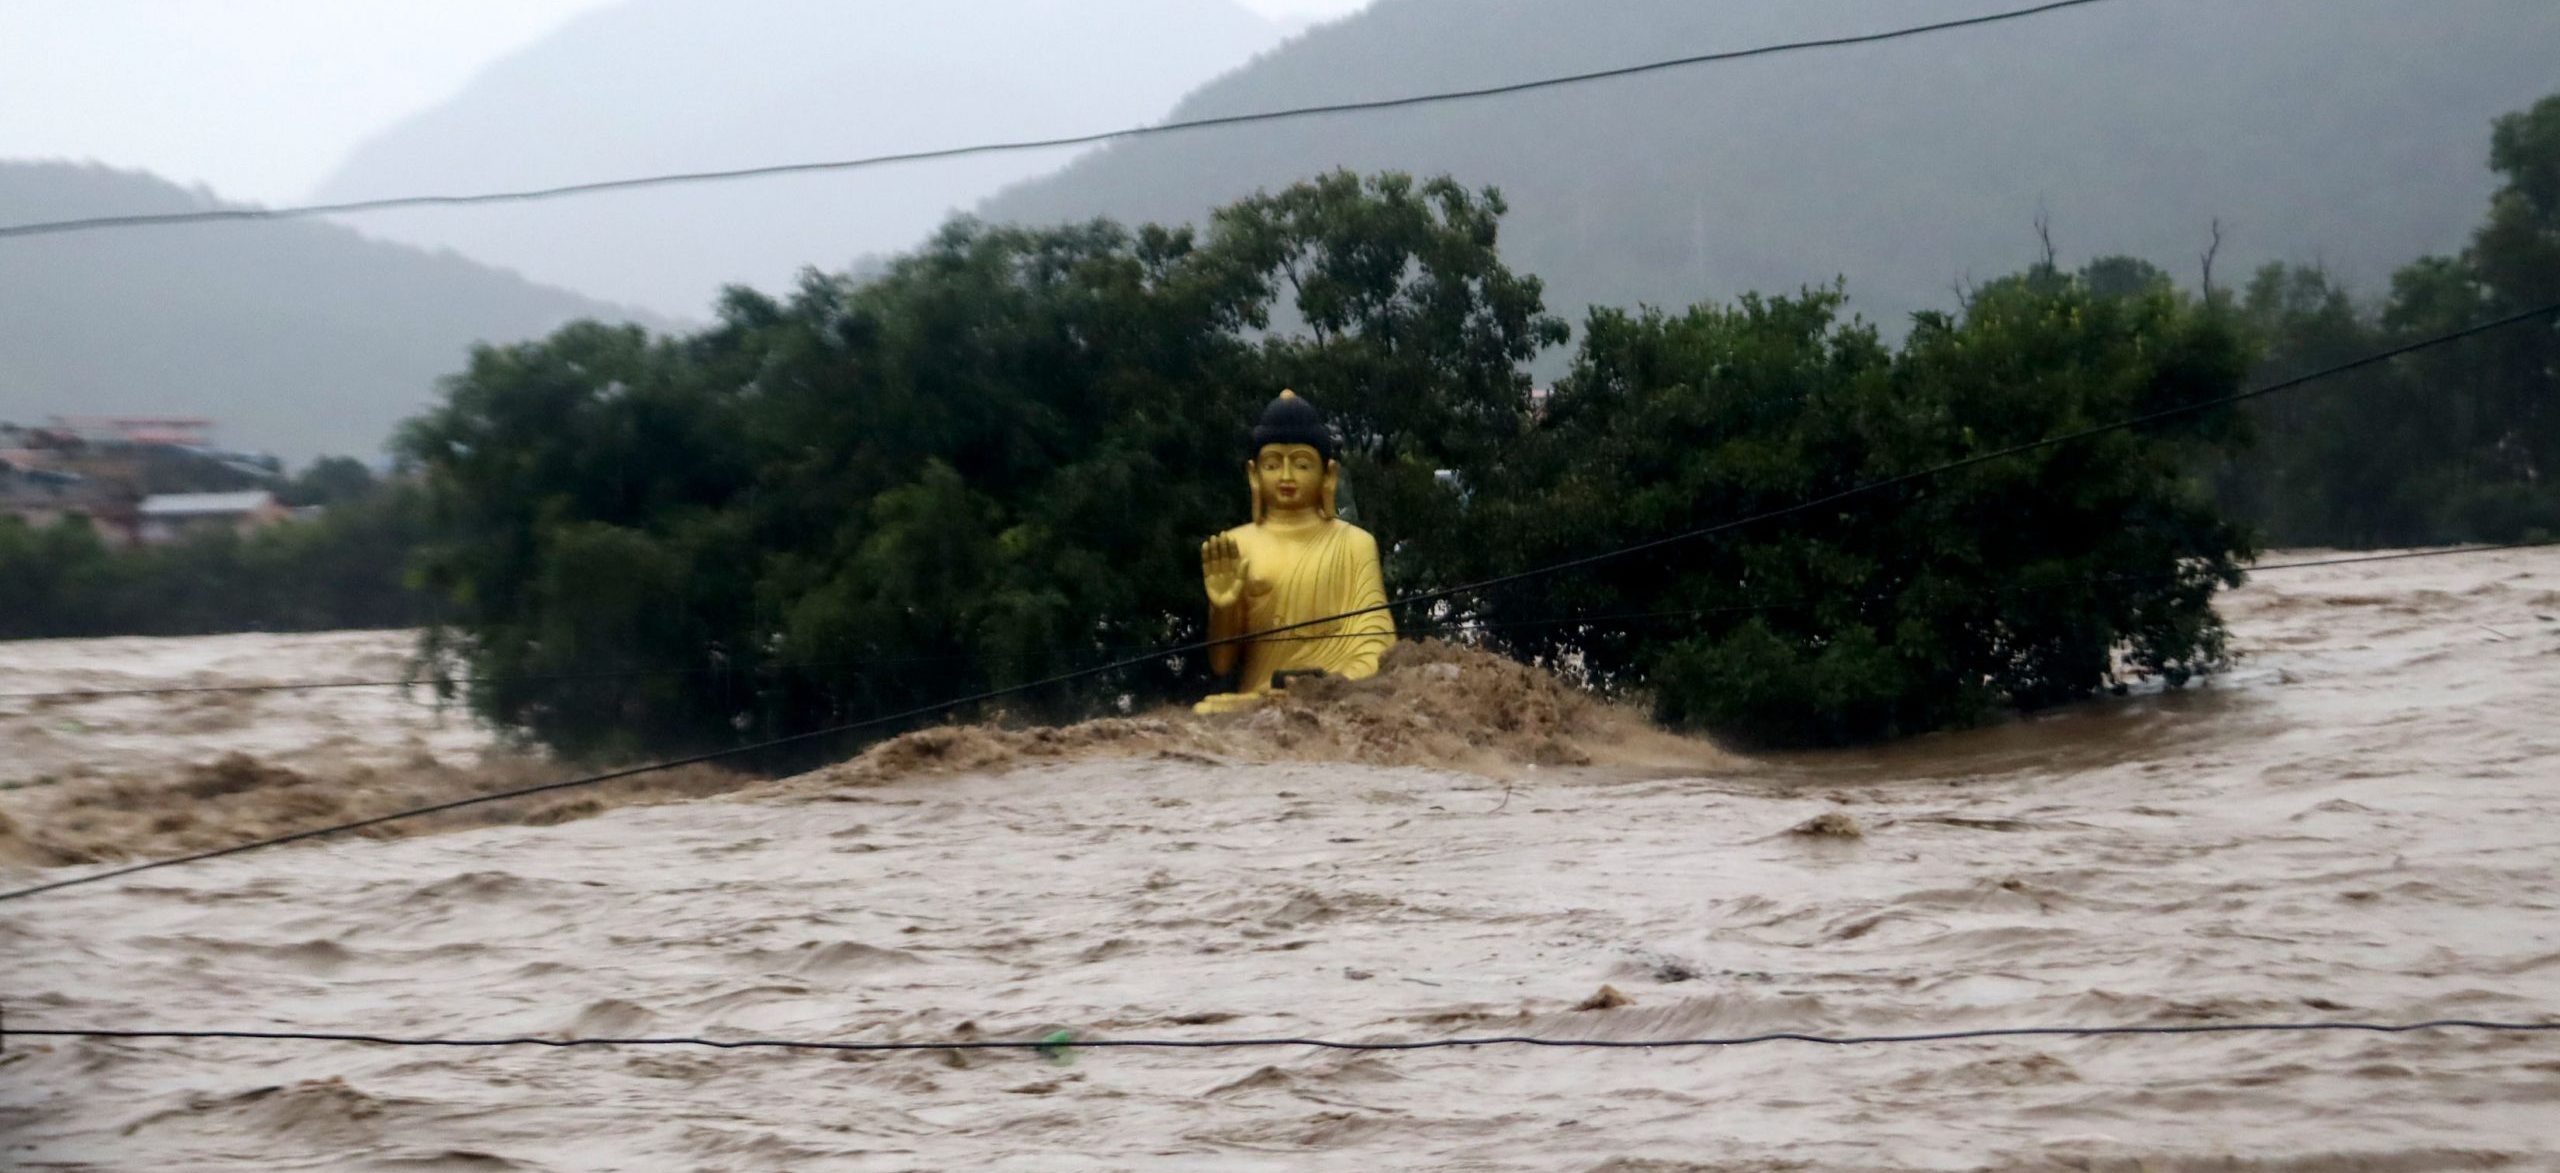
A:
993	461
988	464
2023	582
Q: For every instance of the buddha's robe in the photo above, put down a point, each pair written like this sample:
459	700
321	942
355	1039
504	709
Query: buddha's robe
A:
1298	574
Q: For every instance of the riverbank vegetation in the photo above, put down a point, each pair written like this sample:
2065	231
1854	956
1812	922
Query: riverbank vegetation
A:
346	568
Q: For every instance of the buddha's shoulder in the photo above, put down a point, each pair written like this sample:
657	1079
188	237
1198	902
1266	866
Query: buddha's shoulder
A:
1251	534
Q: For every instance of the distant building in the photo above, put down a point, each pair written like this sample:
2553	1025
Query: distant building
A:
168	517
34	490
135	479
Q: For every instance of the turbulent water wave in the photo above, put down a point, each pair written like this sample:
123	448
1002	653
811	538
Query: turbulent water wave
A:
2358	822
109	776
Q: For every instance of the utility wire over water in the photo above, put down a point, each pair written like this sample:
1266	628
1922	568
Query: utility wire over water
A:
2336	849
1056	1043
94	223
1424	597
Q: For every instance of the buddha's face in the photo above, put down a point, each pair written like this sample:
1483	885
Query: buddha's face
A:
1291	476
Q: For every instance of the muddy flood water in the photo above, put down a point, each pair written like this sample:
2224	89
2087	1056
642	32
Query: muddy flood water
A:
2362	821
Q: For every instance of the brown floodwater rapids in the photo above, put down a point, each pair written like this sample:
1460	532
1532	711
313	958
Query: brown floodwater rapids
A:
2360	821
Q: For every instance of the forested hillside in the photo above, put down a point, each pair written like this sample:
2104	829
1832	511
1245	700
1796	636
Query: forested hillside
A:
299	337
2345	132
687	85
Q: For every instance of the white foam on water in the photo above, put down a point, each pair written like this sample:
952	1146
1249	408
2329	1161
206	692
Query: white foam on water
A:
2362	825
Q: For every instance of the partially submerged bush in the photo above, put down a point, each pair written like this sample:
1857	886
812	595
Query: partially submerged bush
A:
2022	581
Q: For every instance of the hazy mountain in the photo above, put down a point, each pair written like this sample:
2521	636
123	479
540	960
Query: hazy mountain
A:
687	85
300	337
2350	132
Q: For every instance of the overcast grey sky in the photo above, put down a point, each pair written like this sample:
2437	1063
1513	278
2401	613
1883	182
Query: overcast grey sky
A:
259	99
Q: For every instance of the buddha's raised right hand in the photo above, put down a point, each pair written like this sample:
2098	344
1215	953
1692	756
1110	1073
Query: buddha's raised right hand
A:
1222	571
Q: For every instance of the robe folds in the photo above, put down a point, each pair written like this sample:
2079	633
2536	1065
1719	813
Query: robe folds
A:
1320	574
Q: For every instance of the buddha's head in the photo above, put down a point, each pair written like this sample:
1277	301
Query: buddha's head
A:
1292	469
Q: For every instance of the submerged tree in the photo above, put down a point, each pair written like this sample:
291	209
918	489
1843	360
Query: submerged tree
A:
2023	581
992	461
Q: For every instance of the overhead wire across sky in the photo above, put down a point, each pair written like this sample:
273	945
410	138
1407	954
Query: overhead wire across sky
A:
96	223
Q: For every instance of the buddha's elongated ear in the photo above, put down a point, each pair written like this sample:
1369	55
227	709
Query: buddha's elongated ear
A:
1332	485
1253	484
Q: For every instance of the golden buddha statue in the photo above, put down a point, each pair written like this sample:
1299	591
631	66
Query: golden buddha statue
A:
1294	562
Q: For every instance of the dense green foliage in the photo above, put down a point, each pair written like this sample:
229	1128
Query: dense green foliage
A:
341	570
2456	444
2014	582
991	463
994	462
330	480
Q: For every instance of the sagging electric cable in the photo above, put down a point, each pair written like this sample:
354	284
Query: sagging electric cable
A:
1054	1043
1325	621
93	223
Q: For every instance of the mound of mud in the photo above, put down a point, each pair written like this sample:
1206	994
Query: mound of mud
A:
239	797
16	848
1431	704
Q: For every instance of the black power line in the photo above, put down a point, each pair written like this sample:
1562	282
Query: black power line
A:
1937	470
1432	596
1460	626
50	227
1055	1044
